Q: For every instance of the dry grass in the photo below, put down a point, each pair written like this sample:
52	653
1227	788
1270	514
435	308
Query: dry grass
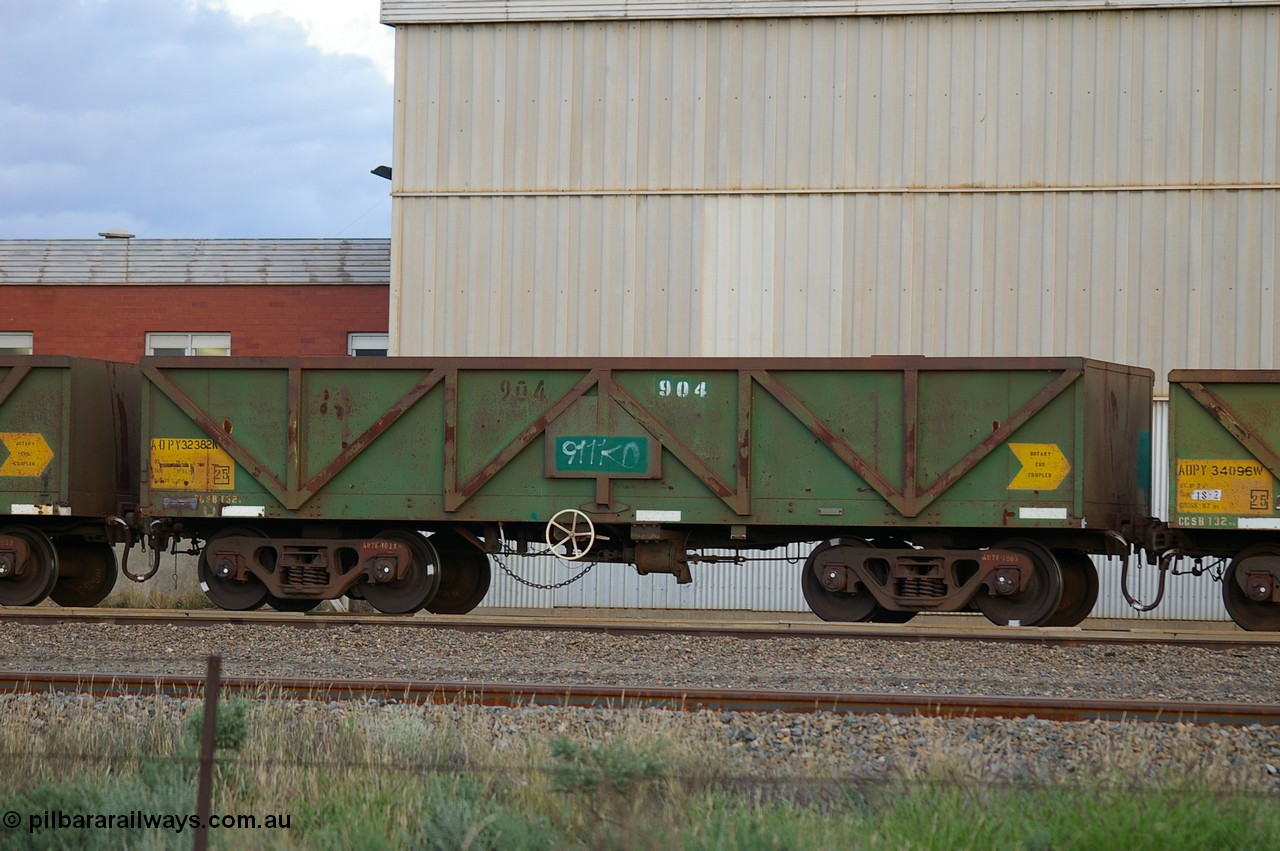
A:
386	775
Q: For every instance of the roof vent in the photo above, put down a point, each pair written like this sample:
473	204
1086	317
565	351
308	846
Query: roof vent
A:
115	234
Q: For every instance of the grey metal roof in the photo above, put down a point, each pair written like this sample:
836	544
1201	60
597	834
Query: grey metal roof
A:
158	262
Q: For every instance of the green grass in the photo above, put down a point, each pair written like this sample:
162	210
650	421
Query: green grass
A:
455	777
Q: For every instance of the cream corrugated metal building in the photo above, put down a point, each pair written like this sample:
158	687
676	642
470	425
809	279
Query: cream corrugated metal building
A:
571	179
622	177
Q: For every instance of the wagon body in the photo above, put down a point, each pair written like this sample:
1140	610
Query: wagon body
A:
933	484
749	447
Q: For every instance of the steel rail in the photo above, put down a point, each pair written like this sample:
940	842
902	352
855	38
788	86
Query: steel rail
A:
753	629
626	697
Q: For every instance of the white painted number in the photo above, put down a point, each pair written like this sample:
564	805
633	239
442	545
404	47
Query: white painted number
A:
681	388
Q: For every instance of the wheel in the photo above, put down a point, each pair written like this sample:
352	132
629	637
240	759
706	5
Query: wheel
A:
570	534
292	604
230	594
1079	589
40	575
86	572
1250	614
835	605
419	584
465	575
1041	597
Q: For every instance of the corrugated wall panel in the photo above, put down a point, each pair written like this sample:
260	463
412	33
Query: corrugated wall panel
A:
1003	184
1114	99
1149	278
770	584
470	11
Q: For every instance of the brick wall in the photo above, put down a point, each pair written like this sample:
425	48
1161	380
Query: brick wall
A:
111	322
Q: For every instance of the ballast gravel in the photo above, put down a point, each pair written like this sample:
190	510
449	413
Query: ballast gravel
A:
761	744
362	651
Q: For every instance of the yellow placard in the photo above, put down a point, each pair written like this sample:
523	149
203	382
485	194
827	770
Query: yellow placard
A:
1217	486
191	464
29	454
1044	467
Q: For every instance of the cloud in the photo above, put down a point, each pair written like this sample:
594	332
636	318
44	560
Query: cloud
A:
172	119
336	26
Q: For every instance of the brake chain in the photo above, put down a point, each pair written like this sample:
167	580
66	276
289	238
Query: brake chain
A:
549	587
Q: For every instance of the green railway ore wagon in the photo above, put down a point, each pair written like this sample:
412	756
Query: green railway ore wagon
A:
1224	463
68	463
932	484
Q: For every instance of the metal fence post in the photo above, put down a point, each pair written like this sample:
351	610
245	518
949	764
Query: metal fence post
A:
208	738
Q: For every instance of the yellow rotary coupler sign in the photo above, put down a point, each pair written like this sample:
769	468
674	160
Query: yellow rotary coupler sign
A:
194	464
1219	486
29	454
1044	467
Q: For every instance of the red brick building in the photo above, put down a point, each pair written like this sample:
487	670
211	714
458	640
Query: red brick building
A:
120	299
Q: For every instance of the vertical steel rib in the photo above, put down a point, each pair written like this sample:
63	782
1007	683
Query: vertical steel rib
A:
293	459
746	411
911	438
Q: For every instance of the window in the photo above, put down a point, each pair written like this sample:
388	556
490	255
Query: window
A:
368	345
188	344
15	342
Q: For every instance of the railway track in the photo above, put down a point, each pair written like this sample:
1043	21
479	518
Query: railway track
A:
620	697
940	629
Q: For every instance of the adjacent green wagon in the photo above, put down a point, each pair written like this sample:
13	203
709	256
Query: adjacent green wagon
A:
1224	464
68	464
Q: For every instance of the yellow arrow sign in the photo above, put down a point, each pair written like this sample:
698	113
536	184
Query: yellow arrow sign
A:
29	454
1043	467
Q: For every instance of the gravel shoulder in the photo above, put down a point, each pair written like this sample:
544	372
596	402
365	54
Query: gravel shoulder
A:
827	664
765	745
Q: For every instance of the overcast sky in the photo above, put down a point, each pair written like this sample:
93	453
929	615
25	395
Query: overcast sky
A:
194	118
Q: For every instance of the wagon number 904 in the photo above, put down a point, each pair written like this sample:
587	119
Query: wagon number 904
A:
519	391
682	388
